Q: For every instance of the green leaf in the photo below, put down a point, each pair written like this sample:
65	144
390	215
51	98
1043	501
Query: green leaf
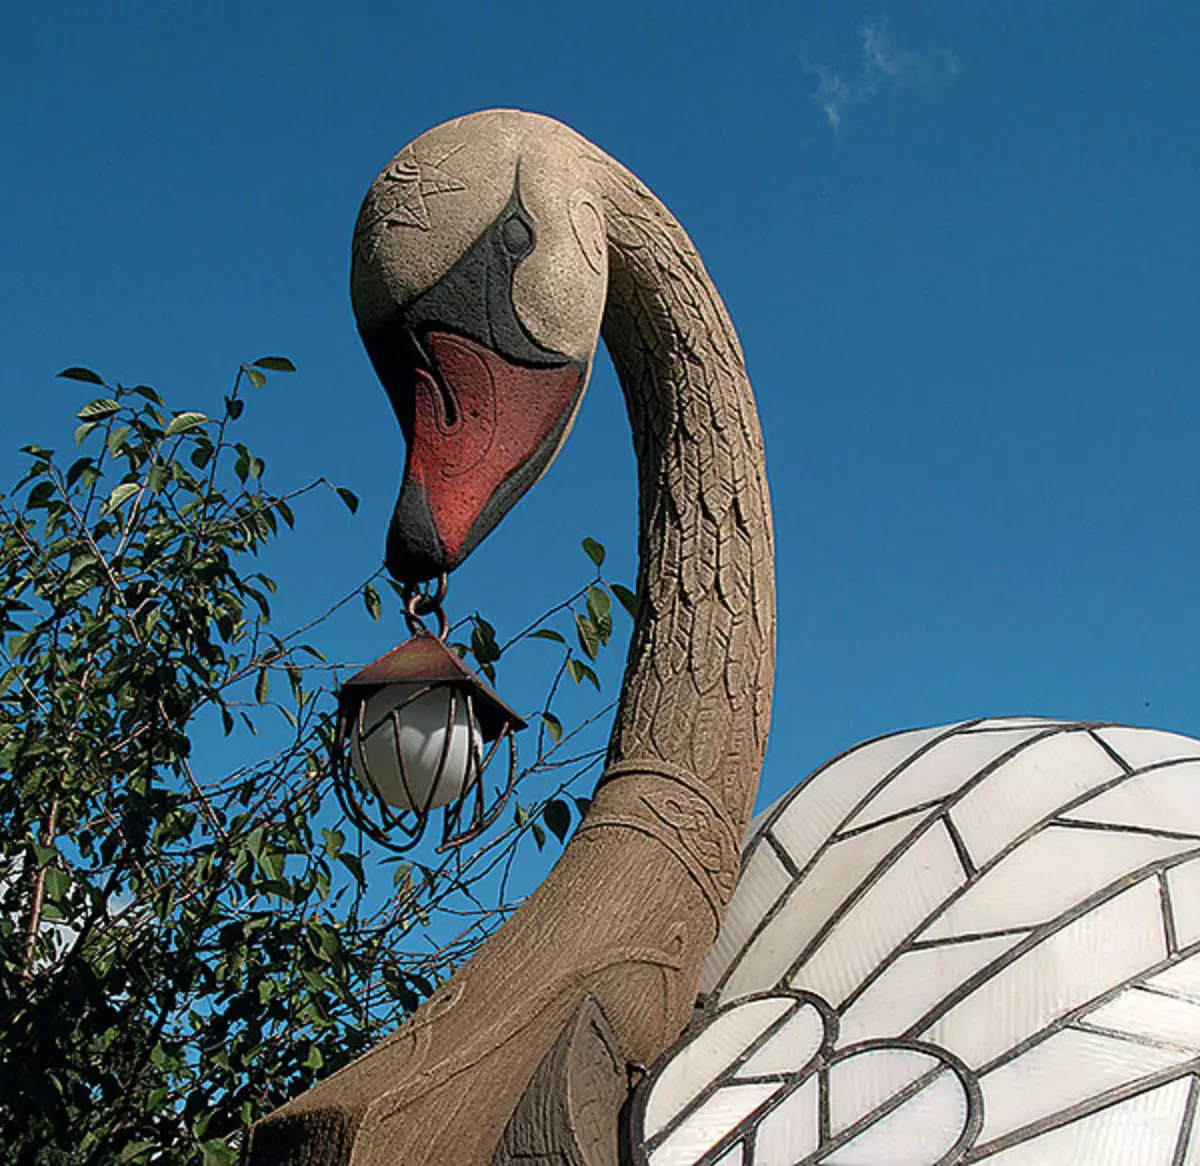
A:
98	409
77	373
182	422
134	1151
600	609
547	634
275	363
626	598
557	816
262	686
120	494
349	498
539	835
81	431
579	671
234	408
589	637
372	602
256	378
553	727
594	551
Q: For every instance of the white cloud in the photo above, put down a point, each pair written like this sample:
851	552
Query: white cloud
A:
883	67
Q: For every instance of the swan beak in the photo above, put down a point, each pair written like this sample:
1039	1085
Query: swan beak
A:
480	430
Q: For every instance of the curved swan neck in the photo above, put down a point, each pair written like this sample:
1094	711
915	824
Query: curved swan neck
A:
699	677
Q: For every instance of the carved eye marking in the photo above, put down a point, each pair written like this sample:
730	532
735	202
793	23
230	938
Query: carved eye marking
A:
517	237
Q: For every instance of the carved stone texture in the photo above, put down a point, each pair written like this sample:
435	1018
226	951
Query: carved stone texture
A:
630	911
565	1116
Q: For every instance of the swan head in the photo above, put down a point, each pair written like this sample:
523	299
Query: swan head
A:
478	281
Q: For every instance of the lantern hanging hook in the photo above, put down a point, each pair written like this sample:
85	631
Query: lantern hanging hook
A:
420	603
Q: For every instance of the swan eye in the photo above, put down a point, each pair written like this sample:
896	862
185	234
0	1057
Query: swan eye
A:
517	236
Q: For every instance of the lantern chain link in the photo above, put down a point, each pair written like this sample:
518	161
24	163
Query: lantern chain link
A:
421	603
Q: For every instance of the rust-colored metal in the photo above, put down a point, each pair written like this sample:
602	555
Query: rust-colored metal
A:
629	912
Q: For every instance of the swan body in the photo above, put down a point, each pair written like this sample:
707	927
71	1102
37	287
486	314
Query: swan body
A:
978	943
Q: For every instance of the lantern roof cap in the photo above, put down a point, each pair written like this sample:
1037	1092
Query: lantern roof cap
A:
425	659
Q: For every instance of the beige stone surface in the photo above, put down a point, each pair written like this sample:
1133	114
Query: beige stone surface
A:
628	914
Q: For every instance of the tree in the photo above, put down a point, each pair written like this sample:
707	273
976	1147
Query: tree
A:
184	946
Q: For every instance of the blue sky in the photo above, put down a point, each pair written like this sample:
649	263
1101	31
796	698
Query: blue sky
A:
959	241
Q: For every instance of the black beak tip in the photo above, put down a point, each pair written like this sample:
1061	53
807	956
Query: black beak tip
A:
414	553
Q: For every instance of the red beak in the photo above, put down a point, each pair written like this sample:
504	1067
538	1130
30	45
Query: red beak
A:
482	430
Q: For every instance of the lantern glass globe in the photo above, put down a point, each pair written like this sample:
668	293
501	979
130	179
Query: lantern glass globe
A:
424	722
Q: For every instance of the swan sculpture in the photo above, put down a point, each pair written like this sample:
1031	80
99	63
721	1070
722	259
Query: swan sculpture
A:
976	943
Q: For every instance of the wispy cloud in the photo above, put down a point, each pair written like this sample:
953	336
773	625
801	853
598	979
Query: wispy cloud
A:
882	67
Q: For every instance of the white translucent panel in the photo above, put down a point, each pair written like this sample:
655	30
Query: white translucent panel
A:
1034	784
1016	723
434	772
864	1081
914	984
1065	1069
731	1157
1191	1156
695	1066
1056	869
762	881
791	1131
821	805
1167	798
710	1123
1183	889
950	764
1089	956
1143	747
921	1132
1182	979
1142	1131
833	879
791	1048
1149	1016
922	878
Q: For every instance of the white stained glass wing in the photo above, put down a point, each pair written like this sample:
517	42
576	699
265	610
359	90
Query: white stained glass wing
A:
864	1082
1140	748
822	804
920	1131
1150	1017
761	884
705	1127
792	1130
1166	798
1056	869
926	874
940	771
833	879
1143	1131
791	1048
1181	979
702	1060
1080	962
1010	910
1037	782
914	984
1183	894
1068	1068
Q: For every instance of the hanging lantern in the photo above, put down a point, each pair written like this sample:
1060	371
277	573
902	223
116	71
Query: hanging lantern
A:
416	731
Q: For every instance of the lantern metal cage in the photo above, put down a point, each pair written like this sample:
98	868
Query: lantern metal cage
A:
420	666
